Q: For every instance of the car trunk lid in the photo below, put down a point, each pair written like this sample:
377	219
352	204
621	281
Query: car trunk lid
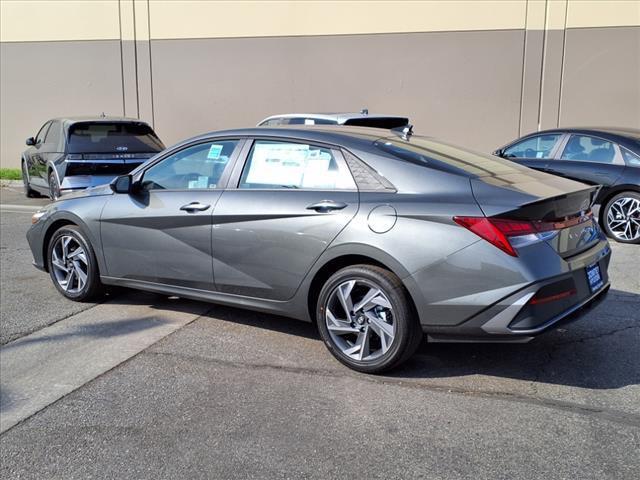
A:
557	210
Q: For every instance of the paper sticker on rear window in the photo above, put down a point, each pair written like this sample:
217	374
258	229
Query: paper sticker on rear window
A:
215	151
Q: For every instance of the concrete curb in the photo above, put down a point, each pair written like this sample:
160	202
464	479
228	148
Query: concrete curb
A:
10	183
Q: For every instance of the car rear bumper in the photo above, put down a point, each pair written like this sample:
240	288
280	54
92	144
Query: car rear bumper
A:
508	335
557	289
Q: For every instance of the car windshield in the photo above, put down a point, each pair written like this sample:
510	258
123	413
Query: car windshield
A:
424	151
104	137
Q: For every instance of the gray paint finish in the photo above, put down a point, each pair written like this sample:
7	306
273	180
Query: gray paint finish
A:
448	83
267	248
42	80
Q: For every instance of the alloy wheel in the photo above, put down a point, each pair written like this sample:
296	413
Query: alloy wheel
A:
623	218
360	320
70	264
54	188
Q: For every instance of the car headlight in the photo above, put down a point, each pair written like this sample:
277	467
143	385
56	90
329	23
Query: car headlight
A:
36	217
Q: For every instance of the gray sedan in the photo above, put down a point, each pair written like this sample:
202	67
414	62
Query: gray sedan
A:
377	236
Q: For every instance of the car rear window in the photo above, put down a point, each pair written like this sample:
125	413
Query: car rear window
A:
423	151
103	137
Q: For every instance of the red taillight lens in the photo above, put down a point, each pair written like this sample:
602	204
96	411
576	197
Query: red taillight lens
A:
484	228
536	300
498	230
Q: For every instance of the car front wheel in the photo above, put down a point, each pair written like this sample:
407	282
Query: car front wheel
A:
621	218
72	265
54	187
366	319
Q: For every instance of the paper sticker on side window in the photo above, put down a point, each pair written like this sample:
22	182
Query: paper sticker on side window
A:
201	182
215	151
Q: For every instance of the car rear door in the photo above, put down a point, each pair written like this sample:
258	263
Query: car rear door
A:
285	205
162	233
588	159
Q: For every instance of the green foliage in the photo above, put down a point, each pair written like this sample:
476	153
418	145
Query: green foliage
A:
10	174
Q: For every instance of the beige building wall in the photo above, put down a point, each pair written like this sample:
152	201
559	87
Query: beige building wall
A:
474	72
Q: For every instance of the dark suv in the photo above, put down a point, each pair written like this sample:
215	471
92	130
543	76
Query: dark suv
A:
75	153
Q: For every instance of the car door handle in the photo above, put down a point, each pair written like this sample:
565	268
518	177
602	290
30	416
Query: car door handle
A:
195	207
326	206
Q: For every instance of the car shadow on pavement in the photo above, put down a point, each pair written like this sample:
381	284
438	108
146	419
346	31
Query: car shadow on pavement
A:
599	351
101	329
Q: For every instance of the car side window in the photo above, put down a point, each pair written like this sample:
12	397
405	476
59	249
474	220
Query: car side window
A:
274	164
630	158
539	146
273	122
196	167
588	149
53	135
42	133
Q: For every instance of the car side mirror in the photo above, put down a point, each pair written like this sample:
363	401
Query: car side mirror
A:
498	153
30	141
122	184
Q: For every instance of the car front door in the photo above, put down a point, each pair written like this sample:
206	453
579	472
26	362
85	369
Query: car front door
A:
36	161
588	159
161	233
535	151
291	201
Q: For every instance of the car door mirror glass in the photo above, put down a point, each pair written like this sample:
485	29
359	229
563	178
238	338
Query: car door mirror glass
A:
122	184
30	141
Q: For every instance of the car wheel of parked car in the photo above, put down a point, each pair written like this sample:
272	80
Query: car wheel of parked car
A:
621	218
72	264
28	191
54	187
366	319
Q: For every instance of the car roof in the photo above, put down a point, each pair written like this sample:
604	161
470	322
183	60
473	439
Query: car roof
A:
339	117
346	136
615	133
97	119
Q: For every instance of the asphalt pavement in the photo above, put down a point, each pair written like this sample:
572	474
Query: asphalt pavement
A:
237	394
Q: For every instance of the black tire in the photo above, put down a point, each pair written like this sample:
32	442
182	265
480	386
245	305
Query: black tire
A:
28	191
408	334
54	187
93	287
634	218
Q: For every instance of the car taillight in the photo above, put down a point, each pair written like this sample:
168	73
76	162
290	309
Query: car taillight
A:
539	300
507	234
484	228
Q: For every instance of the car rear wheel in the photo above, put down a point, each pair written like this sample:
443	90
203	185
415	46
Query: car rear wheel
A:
28	191
72	265
366	319
54	187
621	218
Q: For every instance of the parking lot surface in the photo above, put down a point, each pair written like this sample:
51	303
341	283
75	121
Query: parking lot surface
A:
237	394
